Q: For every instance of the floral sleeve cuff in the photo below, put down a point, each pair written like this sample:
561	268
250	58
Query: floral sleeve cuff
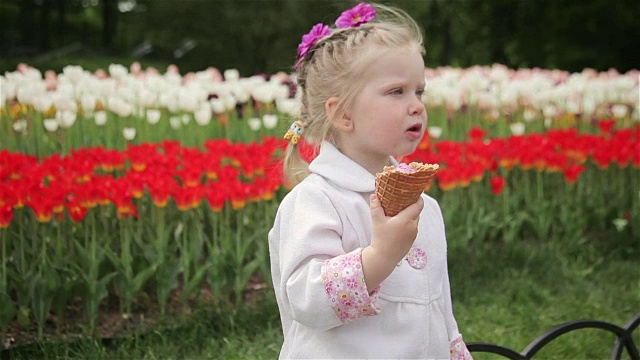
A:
343	280
459	350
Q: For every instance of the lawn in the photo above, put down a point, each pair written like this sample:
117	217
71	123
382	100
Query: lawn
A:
506	296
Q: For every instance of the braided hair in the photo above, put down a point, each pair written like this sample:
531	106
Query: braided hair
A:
334	67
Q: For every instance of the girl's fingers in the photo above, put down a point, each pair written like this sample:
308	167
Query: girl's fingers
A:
377	213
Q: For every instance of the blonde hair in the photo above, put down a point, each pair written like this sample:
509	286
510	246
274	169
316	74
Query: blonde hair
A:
334	67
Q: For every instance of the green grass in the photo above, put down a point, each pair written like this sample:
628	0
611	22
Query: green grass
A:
505	296
533	287
88	62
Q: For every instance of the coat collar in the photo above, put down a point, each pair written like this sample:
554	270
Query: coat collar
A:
341	170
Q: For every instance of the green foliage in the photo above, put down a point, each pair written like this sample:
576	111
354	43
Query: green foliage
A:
507	295
262	36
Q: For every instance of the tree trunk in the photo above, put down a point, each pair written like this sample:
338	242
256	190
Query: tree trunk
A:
44	28
109	22
61	26
27	22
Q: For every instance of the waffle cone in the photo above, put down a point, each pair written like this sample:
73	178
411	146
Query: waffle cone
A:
397	190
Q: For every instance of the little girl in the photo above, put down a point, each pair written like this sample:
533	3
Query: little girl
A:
351	282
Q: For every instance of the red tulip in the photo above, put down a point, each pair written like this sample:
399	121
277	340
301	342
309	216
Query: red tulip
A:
215	197
6	215
109	160
572	172
605	126
77	212
122	198
497	185
161	187
42	209
477	134
446	180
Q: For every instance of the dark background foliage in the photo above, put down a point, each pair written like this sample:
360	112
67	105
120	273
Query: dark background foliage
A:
262	35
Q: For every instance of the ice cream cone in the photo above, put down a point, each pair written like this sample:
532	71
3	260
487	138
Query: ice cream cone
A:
400	186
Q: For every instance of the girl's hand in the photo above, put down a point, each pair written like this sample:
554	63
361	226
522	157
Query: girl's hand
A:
391	240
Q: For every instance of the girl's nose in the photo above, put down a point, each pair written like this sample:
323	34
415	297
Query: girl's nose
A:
416	107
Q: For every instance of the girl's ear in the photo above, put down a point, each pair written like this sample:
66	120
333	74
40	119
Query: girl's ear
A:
340	122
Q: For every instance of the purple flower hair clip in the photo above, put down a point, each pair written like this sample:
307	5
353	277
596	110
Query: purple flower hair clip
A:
308	40
356	16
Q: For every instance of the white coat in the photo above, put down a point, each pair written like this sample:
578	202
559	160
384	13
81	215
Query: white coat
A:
327	216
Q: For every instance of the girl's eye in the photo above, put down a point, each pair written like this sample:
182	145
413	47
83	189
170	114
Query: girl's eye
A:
419	92
396	91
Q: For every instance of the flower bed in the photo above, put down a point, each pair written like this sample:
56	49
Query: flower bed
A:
92	216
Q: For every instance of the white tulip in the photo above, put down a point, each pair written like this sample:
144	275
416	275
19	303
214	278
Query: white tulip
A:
73	73
51	125
20	126
572	107
42	103
169	99
231	75
254	123
620	224
32	74
119	106
129	133
153	116
549	111
529	115
517	128
242	96
140	112
186	119
229	102
217	105
26	94
619	110
270	121
263	93
173	79
64	102
435	132
106	88
187	100
203	115
288	106
280	91
175	122
237	91
117	71
127	94
88	102
100	117
66	118
7	88
588	106
147	98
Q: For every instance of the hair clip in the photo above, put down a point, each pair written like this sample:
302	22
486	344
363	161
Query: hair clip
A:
294	132
356	16
318	31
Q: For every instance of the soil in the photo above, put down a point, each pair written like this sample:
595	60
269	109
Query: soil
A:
113	324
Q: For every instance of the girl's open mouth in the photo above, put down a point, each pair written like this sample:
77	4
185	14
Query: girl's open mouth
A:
415	131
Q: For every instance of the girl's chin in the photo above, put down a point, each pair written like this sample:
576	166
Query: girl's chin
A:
406	150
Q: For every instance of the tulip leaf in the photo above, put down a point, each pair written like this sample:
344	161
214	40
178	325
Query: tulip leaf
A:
7	309
141	278
41	298
196	280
